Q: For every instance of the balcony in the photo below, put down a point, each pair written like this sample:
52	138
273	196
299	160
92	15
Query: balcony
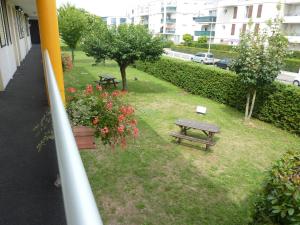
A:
291	19
169	21
205	19
169	9
170	31
294	38
204	33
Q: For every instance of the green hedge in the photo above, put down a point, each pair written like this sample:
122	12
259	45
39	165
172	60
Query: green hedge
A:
278	104
280	199
291	64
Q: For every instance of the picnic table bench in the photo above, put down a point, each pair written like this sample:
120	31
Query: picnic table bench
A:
107	80
208	129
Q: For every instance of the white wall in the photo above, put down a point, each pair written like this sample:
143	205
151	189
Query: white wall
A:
13	53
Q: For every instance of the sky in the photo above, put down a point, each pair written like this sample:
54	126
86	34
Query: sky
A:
102	7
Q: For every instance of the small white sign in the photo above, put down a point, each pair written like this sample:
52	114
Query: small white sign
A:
201	109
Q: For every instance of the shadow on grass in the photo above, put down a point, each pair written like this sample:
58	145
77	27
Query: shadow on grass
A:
153	183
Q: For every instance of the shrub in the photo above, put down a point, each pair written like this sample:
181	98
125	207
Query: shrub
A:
112	119
278	104
279	201
168	43
66	62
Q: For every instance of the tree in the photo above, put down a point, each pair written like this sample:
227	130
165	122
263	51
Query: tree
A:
95	39
202	40
72	24
188	39
260	57
125	44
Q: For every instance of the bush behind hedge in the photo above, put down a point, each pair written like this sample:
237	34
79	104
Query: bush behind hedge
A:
278	104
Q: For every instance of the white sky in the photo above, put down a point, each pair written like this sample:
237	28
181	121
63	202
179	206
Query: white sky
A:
102	7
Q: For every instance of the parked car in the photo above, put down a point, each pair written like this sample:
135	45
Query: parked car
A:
206	58
297	80
224	63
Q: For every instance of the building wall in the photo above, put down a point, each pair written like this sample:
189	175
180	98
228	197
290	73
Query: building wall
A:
12	54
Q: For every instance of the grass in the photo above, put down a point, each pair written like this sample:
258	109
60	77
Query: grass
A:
155	181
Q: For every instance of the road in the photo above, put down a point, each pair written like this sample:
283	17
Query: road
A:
284	77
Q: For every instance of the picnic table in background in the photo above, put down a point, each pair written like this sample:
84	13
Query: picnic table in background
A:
107	80
208	129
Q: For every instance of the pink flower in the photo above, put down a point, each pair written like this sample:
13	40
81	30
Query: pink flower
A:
121	118
98	87
121	129
127	110
115	93
135	132
71	90
89	89
105	130
96	120
109	105
104	95
133	122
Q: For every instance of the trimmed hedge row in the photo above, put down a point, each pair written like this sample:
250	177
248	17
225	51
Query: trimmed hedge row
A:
278	104
291	64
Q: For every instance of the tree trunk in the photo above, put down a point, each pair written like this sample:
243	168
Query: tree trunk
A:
73	56
247	106
252	104
123	74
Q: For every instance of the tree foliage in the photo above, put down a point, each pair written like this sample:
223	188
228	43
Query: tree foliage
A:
202	40
125	44
260	57
188	39
94	41
72	24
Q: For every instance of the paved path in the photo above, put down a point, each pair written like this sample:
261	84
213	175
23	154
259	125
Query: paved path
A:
27	193
284	76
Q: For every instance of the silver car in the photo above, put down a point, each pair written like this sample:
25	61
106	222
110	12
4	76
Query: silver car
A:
297	80
206	58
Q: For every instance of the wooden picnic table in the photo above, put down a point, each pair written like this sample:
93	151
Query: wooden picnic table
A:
107	80
208	129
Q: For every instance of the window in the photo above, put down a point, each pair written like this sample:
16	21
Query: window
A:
256	28
244	28
259	10
5	38
249	10
232	29
20	22
235	9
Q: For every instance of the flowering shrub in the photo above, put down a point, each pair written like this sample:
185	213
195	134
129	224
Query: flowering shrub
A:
66	62
113	120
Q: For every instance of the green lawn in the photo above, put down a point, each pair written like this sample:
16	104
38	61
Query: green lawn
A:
155	181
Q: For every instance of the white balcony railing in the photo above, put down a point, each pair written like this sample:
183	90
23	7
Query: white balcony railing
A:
79	203
291	19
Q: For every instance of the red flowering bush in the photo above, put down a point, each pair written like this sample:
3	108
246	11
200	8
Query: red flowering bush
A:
112	119
66	62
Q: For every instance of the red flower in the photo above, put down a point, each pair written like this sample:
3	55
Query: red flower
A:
89	89
105	130
71	90
115	93
98	87
135	132
133	122
127	110
104	95
96	120
121	129
109	105
121	118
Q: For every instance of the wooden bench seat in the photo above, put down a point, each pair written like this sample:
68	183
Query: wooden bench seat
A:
190	138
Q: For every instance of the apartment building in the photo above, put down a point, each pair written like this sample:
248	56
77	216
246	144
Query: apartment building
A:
220	20
115	20
168	17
